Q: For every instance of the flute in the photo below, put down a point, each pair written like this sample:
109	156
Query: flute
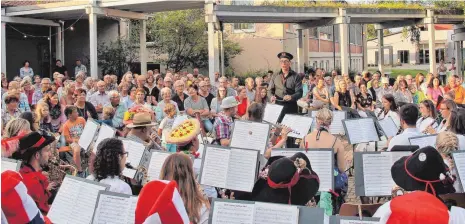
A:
278	125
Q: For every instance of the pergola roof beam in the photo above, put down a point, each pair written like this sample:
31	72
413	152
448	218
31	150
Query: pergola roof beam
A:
30	21
395	24
117	13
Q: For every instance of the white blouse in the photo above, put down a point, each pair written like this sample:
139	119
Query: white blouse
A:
423	123
116	184
394	115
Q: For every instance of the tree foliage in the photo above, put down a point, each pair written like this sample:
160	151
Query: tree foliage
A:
181	38
117	56
371	32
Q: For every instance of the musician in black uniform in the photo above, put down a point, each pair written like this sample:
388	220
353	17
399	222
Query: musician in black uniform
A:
285	88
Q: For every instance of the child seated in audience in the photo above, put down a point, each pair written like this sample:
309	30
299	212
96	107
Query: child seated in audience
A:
107	116
72	131
166	125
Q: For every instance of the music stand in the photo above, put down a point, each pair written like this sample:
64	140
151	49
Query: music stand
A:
405	148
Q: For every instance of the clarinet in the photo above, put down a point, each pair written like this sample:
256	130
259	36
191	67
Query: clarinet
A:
430	125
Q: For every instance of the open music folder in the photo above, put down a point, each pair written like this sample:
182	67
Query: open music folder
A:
114	208
138	155
157	158
388	127
75	201
360	130
250	135
459	160
423	141
237	211
272	113
104	132
300	125
10	164
373	172
336	219
230	168
336	127
321	160
88	134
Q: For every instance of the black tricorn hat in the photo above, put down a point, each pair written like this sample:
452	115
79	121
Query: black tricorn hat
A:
285	55
424	170
289	181
34	141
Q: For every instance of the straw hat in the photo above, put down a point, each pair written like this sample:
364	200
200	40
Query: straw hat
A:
141	119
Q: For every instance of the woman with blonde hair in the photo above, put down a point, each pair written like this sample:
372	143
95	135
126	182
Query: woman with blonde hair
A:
43	118
419	80
15	127
424	85
67	95
446	143
179	167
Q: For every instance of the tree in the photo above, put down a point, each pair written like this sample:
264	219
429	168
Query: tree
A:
182	38
372	34
412	33
116	56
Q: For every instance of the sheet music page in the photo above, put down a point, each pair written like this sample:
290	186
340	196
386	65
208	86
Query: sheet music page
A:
336	127
179	119
377	174
361	131
136	151
284	152
321	164
250	135
88	134
272	112
266	213
241	170
342	221
215	167
459	160
156	164
132	210
388	126
232	213
8	165
111	209
362	113
74	196
131	173
299	124
104	133
396	155
423	141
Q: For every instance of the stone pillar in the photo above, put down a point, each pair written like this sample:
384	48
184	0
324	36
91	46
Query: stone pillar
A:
124	28
93	44
300	52
306	33
458	58
431	42
217	51
222	72
4	47
143	47
380	51
58	43
211	52
344	46
365	49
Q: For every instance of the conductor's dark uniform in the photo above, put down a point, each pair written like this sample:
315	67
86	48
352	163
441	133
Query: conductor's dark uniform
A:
281	85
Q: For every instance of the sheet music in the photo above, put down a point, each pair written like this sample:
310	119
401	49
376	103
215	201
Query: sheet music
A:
362	113
135	150
423	141
389	127
397	155
459	160
232	213
132	209
156	164
361	130
284	152
75	196
215	167
131	173
272	112
300	124
336	127
266	213
342	221
9	165
321	164
241	170
178	120
104	133
88	134
377	174
111	209
250	135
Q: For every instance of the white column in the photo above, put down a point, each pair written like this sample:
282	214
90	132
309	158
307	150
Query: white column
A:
143	47
458	58
223	72
58	43
217	52
4	47
380	51
300	51
211	52
431	41
306	43
124	28
364	46
344	45
93	44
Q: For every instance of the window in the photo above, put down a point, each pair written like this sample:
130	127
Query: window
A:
403	57
315	64
244	27
321	64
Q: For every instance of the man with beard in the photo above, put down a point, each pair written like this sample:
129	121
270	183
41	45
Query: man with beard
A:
286	87
34	151
39	93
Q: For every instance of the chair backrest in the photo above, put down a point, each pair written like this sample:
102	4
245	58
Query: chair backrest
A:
348	209
458	198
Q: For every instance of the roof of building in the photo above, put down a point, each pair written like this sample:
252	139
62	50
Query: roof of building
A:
23	3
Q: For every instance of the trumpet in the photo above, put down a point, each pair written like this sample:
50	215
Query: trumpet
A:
278	125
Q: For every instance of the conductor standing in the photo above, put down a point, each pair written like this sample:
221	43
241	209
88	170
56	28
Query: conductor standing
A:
286	87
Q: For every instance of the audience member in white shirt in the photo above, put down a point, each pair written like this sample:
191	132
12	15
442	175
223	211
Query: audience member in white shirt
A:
457	125
445	108
408	118
109	164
